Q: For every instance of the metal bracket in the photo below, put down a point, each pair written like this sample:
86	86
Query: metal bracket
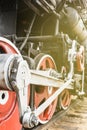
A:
19	80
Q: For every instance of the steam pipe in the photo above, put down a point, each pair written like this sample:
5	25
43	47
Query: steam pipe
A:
41	38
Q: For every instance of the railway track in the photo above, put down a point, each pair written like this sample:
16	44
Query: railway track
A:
74	118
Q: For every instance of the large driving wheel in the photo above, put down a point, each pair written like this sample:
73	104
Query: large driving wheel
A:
64	99
9	113
44	62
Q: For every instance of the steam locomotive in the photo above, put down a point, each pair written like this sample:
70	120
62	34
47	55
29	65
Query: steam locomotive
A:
43	59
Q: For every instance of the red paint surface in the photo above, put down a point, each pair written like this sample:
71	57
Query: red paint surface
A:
9	113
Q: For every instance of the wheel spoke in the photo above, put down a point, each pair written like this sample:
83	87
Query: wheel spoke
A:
64	99
44	62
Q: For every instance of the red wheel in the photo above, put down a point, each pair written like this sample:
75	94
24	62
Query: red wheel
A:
44	62
9	113
6	105
80	59
64	99
7	46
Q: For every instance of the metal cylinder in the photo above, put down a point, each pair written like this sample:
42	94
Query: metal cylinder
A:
76	23
5	66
